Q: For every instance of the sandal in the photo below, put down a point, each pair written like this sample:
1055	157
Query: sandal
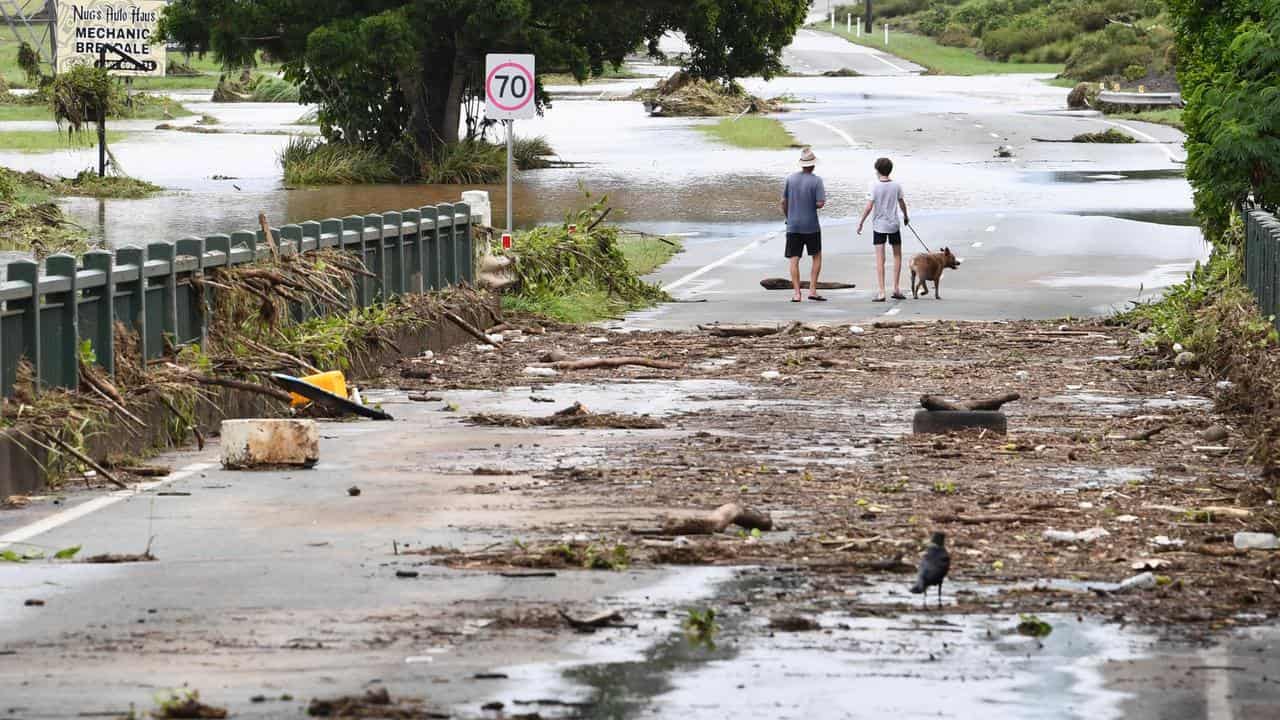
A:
899	296
878	299
795	299
817	298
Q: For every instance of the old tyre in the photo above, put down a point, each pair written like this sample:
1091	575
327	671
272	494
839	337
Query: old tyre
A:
944	421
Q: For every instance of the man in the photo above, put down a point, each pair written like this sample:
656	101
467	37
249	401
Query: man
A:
803	196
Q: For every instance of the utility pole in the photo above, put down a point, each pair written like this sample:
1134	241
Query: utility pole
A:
868	22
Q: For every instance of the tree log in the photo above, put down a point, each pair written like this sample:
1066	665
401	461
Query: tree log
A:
935	403
984	519
719	519
744	330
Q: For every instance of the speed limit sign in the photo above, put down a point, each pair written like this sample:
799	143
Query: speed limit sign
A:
509	87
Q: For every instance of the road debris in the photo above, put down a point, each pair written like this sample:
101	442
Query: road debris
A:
266	443
574	416
1068	536
1256	541
793	623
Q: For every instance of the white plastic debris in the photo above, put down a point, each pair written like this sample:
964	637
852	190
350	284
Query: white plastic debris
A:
1225	384
598	340
495	337
1075	387
1022	375
1149	564
1068	536
428	355
1166	541
1127	518
1177	347
1256	541
856	329
1085	506
897	339
484	348
808	338
355	396
1063	328
770	374
540	371
1137	582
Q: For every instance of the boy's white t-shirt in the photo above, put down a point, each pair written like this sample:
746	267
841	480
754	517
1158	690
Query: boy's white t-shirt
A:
885	195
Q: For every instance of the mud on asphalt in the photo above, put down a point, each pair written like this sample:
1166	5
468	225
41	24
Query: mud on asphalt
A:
813	425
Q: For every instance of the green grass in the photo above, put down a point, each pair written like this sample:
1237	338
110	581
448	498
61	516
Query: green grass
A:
751	133
646	253
152	109
1171	117
609	74
1061	82
52	140
10	112
940	59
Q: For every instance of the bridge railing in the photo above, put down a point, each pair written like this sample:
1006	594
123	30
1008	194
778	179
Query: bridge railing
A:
1262	260
45	318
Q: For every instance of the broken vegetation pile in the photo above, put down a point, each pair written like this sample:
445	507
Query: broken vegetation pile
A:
30	221
254	87
577	271
683	95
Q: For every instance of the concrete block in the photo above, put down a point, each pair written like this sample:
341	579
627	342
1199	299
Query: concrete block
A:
248	444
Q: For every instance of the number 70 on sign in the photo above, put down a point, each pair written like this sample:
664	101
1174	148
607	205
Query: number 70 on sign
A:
509	87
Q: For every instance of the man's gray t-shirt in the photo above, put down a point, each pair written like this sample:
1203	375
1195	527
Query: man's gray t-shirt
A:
803	191
885	195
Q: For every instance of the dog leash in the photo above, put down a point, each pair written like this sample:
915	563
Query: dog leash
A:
913	232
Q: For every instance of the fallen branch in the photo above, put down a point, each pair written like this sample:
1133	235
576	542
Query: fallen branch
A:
469	329
268	237
935	403
85	459
190	421
746	330
591	363
236	385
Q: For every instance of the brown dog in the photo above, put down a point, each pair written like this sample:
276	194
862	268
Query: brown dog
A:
930	267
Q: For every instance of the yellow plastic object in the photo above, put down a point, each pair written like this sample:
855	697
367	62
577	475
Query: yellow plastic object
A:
333	381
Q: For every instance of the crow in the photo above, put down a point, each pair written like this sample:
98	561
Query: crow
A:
933	568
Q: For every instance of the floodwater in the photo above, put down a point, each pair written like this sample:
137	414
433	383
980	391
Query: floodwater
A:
871	660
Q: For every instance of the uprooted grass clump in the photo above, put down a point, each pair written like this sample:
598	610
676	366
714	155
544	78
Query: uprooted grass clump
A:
250	87
30	221
1111	135
577	275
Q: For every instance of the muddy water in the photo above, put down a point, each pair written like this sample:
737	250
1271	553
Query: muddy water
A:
937	664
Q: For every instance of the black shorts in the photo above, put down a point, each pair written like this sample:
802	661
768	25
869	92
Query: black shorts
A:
798	243
893	238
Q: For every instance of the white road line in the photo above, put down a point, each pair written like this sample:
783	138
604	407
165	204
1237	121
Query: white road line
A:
1144	136
727	258
886	62
1217	686
59	519
835	130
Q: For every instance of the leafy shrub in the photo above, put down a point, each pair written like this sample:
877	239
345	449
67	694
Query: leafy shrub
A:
308	160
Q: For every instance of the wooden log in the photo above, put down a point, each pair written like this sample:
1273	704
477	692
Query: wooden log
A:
268	237
469	329
935	403
238	385
719	519
85	459
742	330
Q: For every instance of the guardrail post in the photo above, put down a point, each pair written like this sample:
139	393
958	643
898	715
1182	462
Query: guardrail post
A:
378	265
61	366
29	342
195	298
310	236
134	291
354	224
290	240
165	252
429	231
448	248
245	239
330	233
393	230
102	333
462	235
413	251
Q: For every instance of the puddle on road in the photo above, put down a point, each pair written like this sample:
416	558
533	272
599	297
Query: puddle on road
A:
854	667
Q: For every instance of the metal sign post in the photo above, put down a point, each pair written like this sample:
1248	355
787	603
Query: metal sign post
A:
509	91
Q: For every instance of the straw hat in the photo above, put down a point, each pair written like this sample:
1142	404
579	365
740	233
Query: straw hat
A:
807	158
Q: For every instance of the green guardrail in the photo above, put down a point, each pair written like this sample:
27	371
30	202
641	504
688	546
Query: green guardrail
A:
1262	260
44	318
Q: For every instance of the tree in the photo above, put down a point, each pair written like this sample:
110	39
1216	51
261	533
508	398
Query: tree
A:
393	72
1229	68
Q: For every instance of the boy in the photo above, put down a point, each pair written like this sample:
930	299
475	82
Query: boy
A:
803	196
886	198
